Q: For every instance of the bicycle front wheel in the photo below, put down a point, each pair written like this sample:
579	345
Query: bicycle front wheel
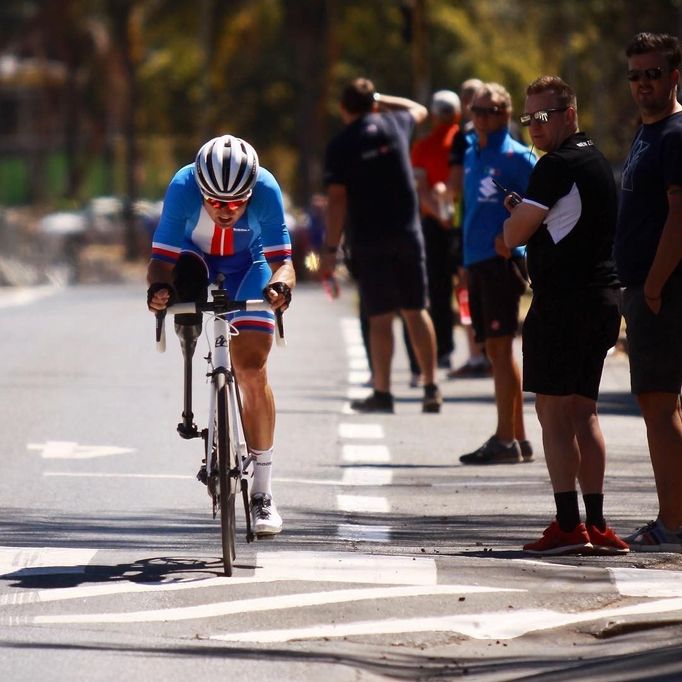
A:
227	463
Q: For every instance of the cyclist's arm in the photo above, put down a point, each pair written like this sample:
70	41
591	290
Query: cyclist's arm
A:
159	272
283	272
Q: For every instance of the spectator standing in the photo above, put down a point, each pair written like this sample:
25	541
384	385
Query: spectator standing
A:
430	157
648	251
495	274
567	219
477	364
371	192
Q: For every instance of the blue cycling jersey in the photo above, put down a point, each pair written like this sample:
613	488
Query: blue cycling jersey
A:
185	225
243	252
510	163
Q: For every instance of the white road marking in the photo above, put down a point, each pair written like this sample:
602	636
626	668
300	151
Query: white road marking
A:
354	393
492	625
365	454
25	561
363	504
58	449
21	296
358	532
358	378
366	476
357	350
357	362
353	430
269	603
640	582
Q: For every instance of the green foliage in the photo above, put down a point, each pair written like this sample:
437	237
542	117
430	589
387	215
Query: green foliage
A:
271	71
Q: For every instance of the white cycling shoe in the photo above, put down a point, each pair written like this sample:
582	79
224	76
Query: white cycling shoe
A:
265	519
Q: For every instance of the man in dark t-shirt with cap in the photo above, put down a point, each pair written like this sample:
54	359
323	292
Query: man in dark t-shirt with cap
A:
371	192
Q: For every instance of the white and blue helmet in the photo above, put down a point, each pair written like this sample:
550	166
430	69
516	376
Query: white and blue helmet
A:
226	167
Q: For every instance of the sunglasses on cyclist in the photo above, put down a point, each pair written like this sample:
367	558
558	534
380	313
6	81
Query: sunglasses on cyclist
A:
231	204
652	74
541	116
488	111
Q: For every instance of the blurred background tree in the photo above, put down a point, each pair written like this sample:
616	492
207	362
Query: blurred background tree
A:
111	96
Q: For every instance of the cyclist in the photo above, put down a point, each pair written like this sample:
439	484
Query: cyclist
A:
223	214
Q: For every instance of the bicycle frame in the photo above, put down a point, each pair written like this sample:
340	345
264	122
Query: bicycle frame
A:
224	396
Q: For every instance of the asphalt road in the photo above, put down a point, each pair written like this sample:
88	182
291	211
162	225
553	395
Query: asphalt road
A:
395	562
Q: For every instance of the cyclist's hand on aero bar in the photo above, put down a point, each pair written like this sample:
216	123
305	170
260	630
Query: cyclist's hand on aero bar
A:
159	296
279	295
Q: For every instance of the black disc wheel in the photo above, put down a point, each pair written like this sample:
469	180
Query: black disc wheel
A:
228	483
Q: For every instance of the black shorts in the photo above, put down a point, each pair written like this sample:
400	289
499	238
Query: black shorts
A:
391	275
655	341
566	338
495	288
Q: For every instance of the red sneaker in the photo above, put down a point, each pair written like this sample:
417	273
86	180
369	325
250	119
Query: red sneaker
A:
606	542
555	542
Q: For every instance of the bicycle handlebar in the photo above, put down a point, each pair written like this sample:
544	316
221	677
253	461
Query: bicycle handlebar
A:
220	307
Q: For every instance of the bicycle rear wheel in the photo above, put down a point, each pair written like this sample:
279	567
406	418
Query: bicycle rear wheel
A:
228	483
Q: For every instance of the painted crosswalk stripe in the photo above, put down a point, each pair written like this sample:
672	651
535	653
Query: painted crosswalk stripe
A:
269	603
352	430
362	504
486	626
358	532
365	454
359	475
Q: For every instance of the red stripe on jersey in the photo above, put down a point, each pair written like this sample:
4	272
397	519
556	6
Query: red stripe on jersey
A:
222	243
157	251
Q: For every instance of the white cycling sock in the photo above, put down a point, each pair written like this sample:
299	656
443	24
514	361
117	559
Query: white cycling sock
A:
262	472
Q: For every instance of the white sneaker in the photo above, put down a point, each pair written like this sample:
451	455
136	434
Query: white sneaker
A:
265	520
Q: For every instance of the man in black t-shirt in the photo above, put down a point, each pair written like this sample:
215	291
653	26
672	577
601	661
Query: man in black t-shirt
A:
567	220
371	193
649	259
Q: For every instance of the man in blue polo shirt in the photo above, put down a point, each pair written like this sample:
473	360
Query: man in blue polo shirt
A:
495	274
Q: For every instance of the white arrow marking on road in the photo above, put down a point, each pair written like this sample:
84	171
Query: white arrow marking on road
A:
270	603
494	625
61	449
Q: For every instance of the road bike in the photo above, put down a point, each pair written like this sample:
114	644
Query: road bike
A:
226	462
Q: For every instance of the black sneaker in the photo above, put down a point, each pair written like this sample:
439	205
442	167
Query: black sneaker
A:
432	399
493	452
377	402
526	450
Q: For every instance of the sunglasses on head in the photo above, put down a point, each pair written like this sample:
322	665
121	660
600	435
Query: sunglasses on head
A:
652	74
541	116
231	204
488	111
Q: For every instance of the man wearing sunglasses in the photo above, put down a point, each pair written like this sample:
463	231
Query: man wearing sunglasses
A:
223	214
648	252
494	273
567	220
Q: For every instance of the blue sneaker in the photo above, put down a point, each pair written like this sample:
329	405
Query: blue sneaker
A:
655	537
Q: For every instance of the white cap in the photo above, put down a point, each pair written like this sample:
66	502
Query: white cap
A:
445	103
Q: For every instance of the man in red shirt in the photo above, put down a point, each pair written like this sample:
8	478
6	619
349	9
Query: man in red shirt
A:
430	160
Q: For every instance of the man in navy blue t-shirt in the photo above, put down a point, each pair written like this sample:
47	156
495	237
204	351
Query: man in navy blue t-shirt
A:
371	194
